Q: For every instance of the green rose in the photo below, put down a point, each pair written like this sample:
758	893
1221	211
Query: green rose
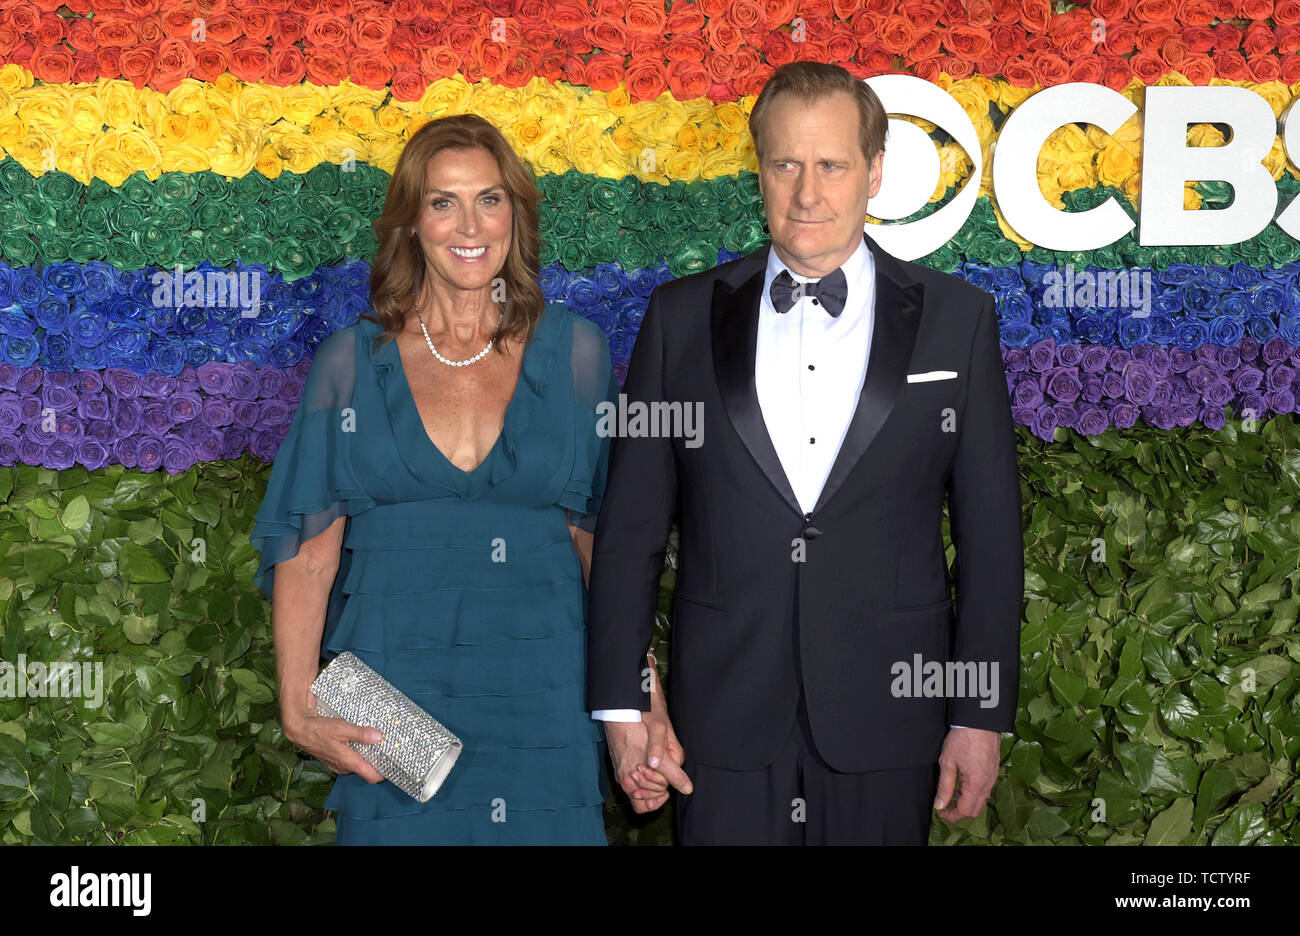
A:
210	215
14	179
18	248
125	255
126	217
87	246
323	178
1003	252
253	187
608	196
59	188
343	223
692	256
744	236
747	190
12	217
175	188
219	250
211	185
189	250
293	258
136	189
633	252
572	255
364	245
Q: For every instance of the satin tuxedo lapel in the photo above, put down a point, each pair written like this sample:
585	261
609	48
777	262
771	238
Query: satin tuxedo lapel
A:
734	331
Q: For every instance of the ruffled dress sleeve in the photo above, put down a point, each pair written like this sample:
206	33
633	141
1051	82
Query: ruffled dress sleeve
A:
312	483
595	393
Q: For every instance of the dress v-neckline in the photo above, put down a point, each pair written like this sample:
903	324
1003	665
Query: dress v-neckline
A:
419	420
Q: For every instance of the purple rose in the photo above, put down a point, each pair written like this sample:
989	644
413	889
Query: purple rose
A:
291	392
1279	376
8	450
1275	351
62	379
216	413
60	456
122	383
246	413
1201	376
1139	382
1069	355
265	444
9	378
1162	417
214	378
93	406
1251	405
1091	420
209	446
1066	414
1212	417
155	420
270	380
149	455
234	442
1280	401
1163	393
1123	415
1249	349
31	409
157	386
1219	393
1094	389
178	455
188	381
91	454
1180	361
1185	413
1112	385
274	412
1027	394
126	418
1095	359
1042	355
1229	359
1119	358
1247	379
11	411
101	430
1023	415
1044	422
1013	359
1062	384
29	452
184	406
1160	362
68	427
126	451
29	380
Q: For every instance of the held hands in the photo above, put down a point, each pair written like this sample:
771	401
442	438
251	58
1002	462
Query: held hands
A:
646	755
327	739
971	754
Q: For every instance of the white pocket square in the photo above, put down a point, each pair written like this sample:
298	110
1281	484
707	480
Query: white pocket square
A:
931	375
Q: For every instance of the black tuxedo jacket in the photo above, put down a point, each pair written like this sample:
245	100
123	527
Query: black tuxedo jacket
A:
751	625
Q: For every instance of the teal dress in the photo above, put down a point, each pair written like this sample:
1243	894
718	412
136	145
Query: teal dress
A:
462	588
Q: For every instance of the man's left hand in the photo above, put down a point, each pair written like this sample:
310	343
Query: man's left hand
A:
971	754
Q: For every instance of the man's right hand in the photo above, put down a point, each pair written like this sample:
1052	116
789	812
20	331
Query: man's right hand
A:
634	746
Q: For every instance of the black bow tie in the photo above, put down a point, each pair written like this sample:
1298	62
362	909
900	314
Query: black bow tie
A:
829	292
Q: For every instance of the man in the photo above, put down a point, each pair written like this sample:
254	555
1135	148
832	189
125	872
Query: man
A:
845	393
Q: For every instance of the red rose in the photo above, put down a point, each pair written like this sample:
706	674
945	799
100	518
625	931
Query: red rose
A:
110	62
954	12
53	64
1150	11
1196	12
210	61
842	9
326	31
979	13
646	46
371	69
177	23
885	7
686	48
604	72
1035	16
1111	10
256	22
778	50
876	58
1148	67
685	17
250	61
609	35
175	63
1231	65
1151	36
1288	40
519	67
842	45
50	30
438	62
866	25
752	81
928	69
1049	68
1008	41
720	66
1257	40
139	8
1116	73
1286	12
1198	38
602	8
288	67
967	42
86	69
645	79
531	12
1264	67
137	66
1087	68
223	28
1120	39
109	31
466	10
745	62
687	80
921	15
991	66
1255	9
550	64
24	19
1076	44
926	45
9	39
459	36
1198	68
898	34
326	67
81	36
371	32
1291	69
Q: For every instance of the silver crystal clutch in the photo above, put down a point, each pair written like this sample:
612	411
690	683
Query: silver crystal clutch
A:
417	752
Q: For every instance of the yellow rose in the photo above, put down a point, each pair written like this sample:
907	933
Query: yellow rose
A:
720	162
445	97
186	157
303	102
497	104
118	153
1204	135
954	165
48	107
228	86
187	97
204	129
33	150
236	152
972	97
732	118
14	78
173	128
584	150
258	104
392	120
688	138
348	93
526	134
384	152
1173	79
1275	93
1010	97
8	106
656	123
341	147
625	139
618	100
269	164
87	112
554	110
299	151
1116	164
683	165
711	136
72	160
357	118
1191	198
1275	161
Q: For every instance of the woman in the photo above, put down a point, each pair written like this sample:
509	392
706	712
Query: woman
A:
419	512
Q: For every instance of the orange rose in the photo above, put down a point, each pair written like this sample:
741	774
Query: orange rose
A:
175	62
49	31
684	17
1196	12
607	35
1288	40
722	36
968	42
436	10
491	55
645	79
86	69
1019	74
138	8
1008	41
1076	44
779	50
646	18
928	69
255	23
746	14
137	66
1286	12
425	31
922	16
1049	68
1035	16
645	46
463	10
687	80
1086	68
1257	40
325	67
1116	72
686	48
1197	68
24	19
408	84
1111	10
898	34
926	45
459	36
1006	11
991	66
1230	65
979	13
532	12
110	63
210	61
1151	36
81	36
1226	37
1121	39
177	22
287	28
223	28
550	64
780	12
1255	9
1150	11
885	7
249	60
603	72
288	67
402	50
371	31
751	73
1291	69
1263	67
1198	39
865	25
326	31
876	58
519	68
438	62
109	31
150	30
958	68
53	64
720	67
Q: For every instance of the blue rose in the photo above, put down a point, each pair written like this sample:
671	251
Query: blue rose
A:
1268	299
1180	273
1017	334
86	328
16	322
1190	334
1261	327
553	279
1244	275
19	351
1228	330
126	339
609	280
583	295
29	288
1167	302
641	283
1134	331
103	281
1197	298
1014	305
64	279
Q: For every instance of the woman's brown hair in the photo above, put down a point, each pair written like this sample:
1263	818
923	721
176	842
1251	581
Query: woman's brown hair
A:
398	269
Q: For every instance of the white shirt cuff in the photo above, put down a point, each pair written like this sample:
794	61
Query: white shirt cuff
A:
617	714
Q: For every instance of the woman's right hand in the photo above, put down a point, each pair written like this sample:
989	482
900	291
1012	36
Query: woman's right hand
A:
327	739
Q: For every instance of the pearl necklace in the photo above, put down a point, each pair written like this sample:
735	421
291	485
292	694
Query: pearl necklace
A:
465	363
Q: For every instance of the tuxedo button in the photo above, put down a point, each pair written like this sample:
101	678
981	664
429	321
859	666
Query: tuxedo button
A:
811	532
